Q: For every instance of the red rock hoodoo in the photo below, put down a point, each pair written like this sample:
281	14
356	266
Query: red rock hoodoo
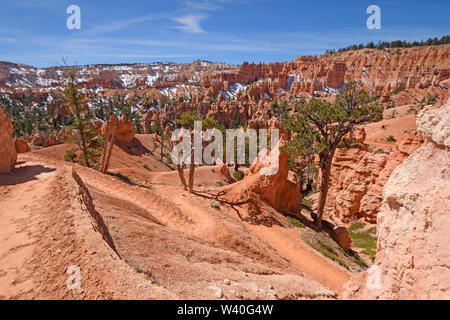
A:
280	190
8	154
125	129
21	146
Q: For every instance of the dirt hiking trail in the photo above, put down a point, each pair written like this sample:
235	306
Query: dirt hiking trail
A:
169	244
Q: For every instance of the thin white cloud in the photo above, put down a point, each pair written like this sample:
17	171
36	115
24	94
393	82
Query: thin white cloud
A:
216	5
203	5
124	23
190	23
7	39
229	47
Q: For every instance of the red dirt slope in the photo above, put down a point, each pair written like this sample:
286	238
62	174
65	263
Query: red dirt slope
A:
169	244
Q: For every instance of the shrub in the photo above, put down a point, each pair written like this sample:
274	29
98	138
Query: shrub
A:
328	254
308	202
93	157
70	155
390	138
432	99
238	175
214	204
393	114
349	144
365	240
390	105
168	158
295	222
121	177
356	226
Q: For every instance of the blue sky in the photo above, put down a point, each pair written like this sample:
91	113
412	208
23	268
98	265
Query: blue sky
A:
34	32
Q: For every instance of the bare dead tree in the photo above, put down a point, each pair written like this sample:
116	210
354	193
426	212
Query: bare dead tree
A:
108	159
105	143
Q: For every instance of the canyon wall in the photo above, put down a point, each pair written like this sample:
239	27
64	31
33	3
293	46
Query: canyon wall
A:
358	177
413	254
381	71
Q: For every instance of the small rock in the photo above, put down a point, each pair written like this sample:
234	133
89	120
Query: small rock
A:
271	296
341	236
217	291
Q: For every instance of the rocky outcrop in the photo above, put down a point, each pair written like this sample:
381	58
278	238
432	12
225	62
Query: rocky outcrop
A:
413	255
434	124
280	189
21	146
392	70
8	154
125	129
336	76
38	139
358	177
341	236
225	172
55	138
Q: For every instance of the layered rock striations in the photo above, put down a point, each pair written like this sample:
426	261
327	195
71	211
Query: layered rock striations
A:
384	72
381	71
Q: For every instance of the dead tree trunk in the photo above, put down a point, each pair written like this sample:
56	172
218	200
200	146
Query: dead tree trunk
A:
162	146
181	174
108	159
325	168
82	136
191	173
155	140
105	144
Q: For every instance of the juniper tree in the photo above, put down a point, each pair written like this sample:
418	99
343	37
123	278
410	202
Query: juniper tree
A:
187	120
319	127
78	111
280	110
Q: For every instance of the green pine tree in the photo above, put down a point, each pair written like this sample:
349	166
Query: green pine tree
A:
78	111
319	127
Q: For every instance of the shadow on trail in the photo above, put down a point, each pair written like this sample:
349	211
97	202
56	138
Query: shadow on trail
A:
23	174
134	148
252	214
